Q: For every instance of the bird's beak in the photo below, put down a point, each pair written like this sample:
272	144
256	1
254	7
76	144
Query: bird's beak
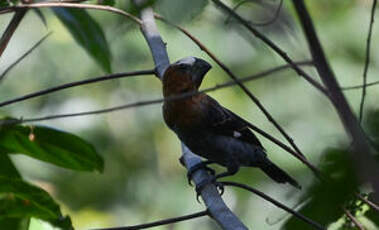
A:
199	69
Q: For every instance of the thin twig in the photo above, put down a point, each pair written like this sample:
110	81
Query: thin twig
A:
77	83
367	62
360	86
140	103
276	203
160	222
10	67
142	72
273	46
314	169
368	202
73	5
353	219
238	82
266	23
9	31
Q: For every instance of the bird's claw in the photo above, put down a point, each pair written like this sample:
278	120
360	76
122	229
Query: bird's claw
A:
193	169
212	180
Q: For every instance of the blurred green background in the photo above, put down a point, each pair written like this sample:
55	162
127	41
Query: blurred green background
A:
143	180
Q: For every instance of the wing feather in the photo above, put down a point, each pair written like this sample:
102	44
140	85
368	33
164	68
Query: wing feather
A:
224	122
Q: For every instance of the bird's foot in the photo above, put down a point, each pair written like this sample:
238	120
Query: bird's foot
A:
202	165
204	183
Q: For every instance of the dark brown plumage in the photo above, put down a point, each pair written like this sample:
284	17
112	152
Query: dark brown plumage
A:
207	128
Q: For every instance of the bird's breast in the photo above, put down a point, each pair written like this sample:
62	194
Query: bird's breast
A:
183	114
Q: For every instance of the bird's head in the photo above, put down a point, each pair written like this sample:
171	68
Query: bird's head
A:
184	76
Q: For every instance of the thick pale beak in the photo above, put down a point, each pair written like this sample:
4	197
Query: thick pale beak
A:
198	71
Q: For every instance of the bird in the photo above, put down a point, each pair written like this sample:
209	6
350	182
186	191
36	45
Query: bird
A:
207	128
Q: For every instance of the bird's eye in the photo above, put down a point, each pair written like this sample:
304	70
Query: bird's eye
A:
182	66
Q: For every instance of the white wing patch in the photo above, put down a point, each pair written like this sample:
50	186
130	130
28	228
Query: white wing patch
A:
236	134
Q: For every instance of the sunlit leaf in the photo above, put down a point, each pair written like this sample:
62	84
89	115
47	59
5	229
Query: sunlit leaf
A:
327	198
50	145
88	33
20	200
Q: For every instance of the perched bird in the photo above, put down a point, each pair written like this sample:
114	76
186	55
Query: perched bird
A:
208	129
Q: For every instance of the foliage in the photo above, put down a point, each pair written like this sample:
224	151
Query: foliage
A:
87	33
20	200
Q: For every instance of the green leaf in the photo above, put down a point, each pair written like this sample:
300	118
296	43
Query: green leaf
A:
20	200
15	223
327	198
50	145
7	167
373	215
106	2
88	33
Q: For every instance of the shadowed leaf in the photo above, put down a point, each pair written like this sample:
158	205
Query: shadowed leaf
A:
87	32
20	200
327	198
50	145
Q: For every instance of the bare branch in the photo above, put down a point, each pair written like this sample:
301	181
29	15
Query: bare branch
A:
12	26
142	72
238	82
360	86
160	222
10	67
367	62
361	153
313	168
276	203
368	202
266	23
353	219
130	105
77	83
72	5
272	45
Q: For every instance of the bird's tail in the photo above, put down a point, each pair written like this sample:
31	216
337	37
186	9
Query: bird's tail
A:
277	174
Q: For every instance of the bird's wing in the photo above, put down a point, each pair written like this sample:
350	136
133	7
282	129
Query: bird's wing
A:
224	122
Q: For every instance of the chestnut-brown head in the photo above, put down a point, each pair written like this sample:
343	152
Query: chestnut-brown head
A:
184	76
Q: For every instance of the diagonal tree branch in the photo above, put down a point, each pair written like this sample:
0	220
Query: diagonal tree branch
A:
77	83
367	62
276	203
10	67
12	26
272	45
353	219
361	154
70	5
